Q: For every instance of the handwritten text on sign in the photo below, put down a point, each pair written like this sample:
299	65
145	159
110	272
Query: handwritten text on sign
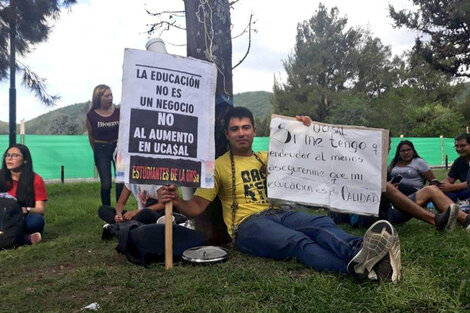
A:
339	167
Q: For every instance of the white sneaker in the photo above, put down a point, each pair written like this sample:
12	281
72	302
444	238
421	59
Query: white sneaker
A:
378	241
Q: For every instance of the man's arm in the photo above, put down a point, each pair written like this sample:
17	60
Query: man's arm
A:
191	208
447	185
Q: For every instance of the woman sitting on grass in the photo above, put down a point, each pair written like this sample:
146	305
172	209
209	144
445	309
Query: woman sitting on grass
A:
18	179
148	209
408	164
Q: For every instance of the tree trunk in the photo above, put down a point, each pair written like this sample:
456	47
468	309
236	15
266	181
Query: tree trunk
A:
208	38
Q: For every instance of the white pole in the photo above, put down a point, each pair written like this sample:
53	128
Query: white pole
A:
442	150
22	131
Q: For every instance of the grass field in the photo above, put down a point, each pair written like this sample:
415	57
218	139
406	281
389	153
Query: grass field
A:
73	268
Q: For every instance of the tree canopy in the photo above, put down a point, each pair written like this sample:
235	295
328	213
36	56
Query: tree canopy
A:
343	75
445	26
330	58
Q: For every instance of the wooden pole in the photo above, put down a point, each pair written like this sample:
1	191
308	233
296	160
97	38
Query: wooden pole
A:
169	235
157	45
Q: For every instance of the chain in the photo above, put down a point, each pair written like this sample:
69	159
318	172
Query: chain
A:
234	205
234	199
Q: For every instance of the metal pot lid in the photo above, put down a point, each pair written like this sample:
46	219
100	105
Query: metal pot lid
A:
205	254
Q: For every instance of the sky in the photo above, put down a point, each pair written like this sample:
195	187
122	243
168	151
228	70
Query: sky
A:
87	44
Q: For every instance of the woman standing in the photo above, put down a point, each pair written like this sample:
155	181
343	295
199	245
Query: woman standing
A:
103	126
18	179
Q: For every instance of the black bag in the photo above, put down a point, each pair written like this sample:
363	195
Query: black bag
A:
145	244
111	231
11	224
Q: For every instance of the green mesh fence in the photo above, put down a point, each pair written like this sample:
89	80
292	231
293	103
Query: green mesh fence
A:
50	152
74	153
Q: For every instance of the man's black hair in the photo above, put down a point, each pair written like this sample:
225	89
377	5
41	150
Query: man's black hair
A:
238	112
463	136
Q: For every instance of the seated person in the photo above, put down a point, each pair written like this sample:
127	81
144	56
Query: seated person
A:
408	164
18	179
258	228
148	212
458	171
148	209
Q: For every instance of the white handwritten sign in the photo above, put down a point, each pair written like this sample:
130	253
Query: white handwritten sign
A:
338	167
166	132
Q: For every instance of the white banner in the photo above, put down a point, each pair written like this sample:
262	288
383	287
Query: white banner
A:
166	130
333	166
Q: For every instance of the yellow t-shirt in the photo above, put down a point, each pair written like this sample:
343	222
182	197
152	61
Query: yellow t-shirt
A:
250	187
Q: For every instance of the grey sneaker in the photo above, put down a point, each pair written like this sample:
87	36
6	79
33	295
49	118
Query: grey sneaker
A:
447	220
383	269
377	242
389	268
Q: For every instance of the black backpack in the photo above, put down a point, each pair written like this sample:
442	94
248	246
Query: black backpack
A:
145	244
11	224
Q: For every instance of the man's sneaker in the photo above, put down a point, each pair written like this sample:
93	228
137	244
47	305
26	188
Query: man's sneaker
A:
389	267
377	242
106	234
466	225
33	238
382	270
447	219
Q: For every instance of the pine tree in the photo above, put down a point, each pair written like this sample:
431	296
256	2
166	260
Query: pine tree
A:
445	25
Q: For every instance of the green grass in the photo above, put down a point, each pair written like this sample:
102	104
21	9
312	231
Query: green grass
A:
73	268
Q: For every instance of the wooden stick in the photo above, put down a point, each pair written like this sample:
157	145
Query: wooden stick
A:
169	235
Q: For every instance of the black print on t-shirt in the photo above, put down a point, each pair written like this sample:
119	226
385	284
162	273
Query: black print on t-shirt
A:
254	186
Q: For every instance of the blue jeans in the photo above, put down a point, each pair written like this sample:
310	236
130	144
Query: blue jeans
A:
33	223
459	195
314	240
103	154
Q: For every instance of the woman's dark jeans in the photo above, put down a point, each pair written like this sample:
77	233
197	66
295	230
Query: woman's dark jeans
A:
103	154
33	223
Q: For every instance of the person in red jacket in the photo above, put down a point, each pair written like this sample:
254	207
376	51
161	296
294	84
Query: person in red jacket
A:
19	181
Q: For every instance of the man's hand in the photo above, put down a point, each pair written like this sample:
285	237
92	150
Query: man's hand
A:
304	119
446	186
130	215
167	193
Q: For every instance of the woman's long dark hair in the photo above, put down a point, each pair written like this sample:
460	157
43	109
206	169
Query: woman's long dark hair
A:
397	158
25	192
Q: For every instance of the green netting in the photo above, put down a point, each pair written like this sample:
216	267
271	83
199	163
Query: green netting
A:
433	150
74	153
50	152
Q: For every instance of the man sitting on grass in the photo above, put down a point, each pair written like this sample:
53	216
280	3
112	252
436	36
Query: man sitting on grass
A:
260	229
458	171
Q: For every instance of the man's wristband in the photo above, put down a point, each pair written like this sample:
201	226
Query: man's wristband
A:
28	210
